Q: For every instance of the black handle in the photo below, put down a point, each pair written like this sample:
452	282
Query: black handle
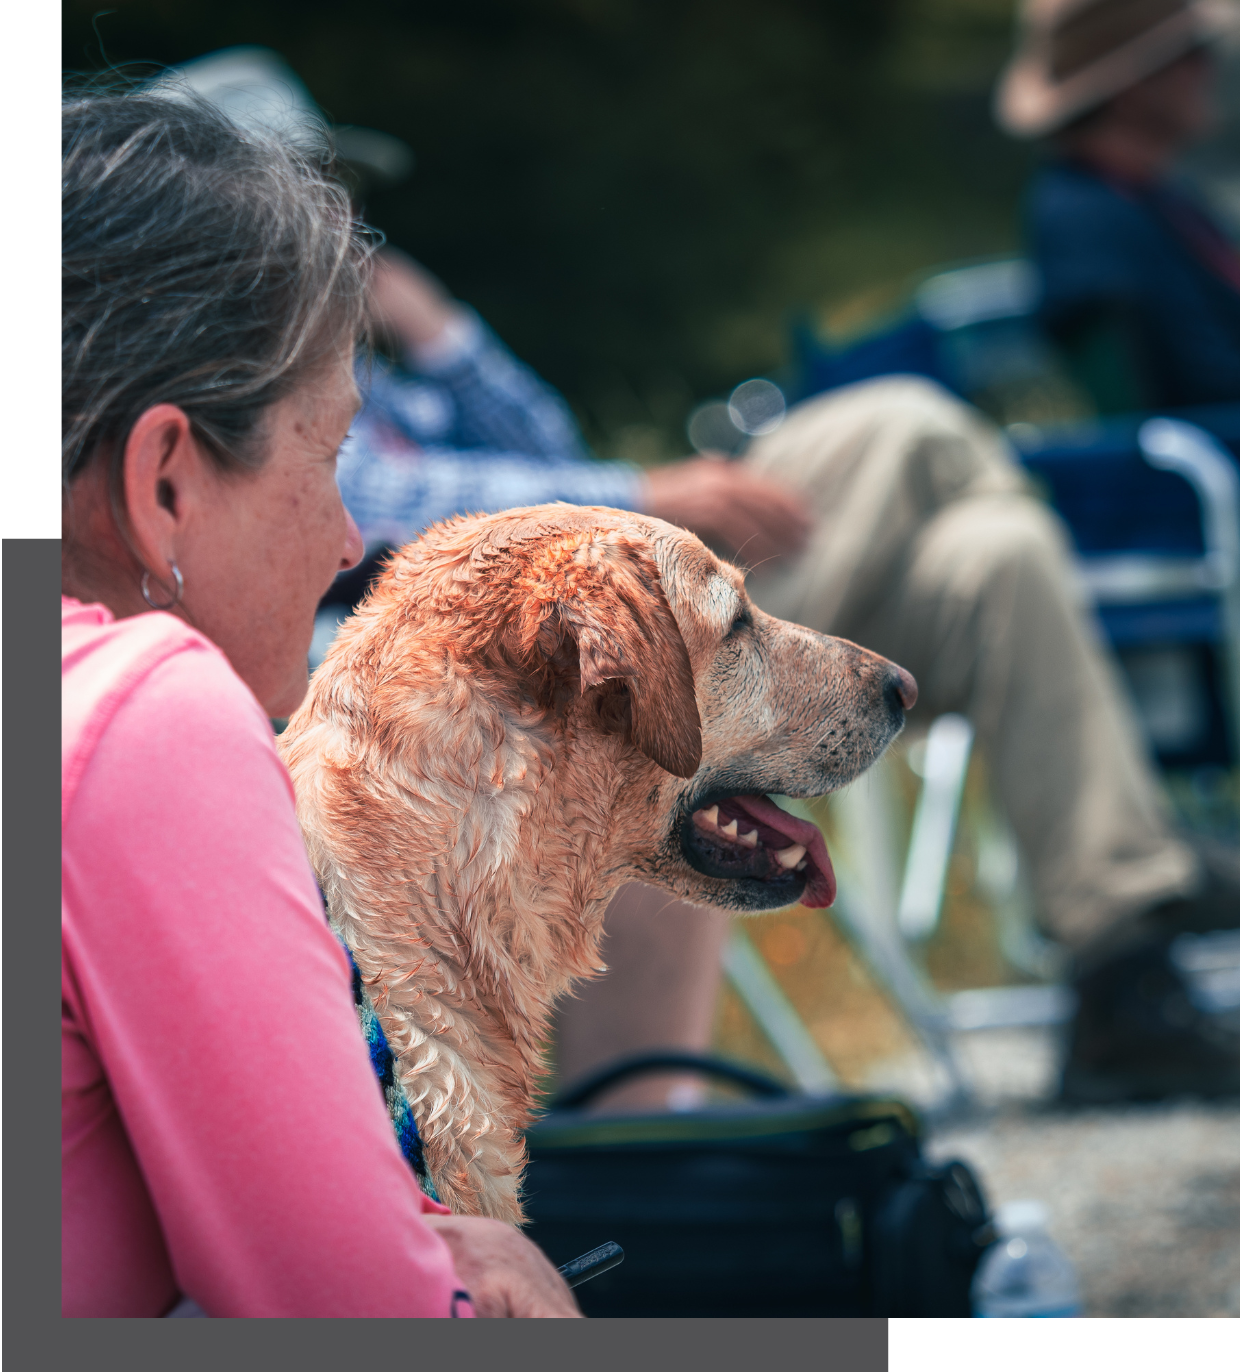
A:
584	1091
592	1264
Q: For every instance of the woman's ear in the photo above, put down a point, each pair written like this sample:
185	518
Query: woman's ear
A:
163	466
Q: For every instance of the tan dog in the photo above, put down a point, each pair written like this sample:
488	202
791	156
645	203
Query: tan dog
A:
530	709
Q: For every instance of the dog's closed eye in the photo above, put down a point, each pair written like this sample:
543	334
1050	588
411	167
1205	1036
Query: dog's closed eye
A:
742	621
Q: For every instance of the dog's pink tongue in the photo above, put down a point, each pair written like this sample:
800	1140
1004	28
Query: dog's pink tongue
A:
819	890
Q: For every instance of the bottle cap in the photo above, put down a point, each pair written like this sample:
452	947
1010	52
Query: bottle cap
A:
1020	1217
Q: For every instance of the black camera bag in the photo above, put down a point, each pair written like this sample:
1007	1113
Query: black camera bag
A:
789	1205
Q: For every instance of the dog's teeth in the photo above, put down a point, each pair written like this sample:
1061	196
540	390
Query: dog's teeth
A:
789	857
750	840
802	865
707	819
728	830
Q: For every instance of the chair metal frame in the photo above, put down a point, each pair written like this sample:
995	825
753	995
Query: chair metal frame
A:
1176	446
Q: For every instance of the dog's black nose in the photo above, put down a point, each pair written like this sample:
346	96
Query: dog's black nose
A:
899	690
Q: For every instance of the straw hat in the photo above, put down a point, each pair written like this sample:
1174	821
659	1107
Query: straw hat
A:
258	90
1074	55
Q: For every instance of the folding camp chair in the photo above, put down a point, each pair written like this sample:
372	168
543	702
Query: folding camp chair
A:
1154	506
1152	509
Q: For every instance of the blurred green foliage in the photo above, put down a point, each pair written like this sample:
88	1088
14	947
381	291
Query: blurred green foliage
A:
638	193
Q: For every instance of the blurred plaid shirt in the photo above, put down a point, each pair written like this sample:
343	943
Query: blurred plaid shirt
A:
466	429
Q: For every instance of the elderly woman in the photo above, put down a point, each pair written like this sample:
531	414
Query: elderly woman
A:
225	1141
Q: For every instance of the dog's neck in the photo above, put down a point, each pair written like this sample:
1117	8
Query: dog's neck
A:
497	877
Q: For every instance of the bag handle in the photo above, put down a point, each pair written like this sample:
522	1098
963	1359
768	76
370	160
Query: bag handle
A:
585	1091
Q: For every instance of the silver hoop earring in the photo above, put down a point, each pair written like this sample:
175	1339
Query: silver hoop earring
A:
177	594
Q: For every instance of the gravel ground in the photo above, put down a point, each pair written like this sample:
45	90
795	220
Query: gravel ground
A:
1144	1200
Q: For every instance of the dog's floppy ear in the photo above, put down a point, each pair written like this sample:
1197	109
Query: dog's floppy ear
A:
602	589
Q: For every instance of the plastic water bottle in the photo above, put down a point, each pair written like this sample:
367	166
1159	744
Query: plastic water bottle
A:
1025	1274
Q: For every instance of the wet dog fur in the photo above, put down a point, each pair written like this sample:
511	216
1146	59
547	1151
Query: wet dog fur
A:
530	709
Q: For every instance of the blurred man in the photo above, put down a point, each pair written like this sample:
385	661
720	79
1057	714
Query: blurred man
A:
890	514
1142	288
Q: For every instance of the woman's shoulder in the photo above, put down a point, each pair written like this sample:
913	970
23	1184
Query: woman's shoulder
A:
93	640
151	669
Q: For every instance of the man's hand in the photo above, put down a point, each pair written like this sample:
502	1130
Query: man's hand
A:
749	518
506	1275
406	300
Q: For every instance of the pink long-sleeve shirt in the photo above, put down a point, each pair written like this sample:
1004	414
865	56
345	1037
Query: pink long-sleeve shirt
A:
223	1135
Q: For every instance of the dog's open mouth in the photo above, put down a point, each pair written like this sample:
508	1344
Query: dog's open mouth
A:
751	838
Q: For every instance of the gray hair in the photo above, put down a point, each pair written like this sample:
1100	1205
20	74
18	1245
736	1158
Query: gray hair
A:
204	267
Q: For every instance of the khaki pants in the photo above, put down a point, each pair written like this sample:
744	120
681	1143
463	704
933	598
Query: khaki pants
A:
929	549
